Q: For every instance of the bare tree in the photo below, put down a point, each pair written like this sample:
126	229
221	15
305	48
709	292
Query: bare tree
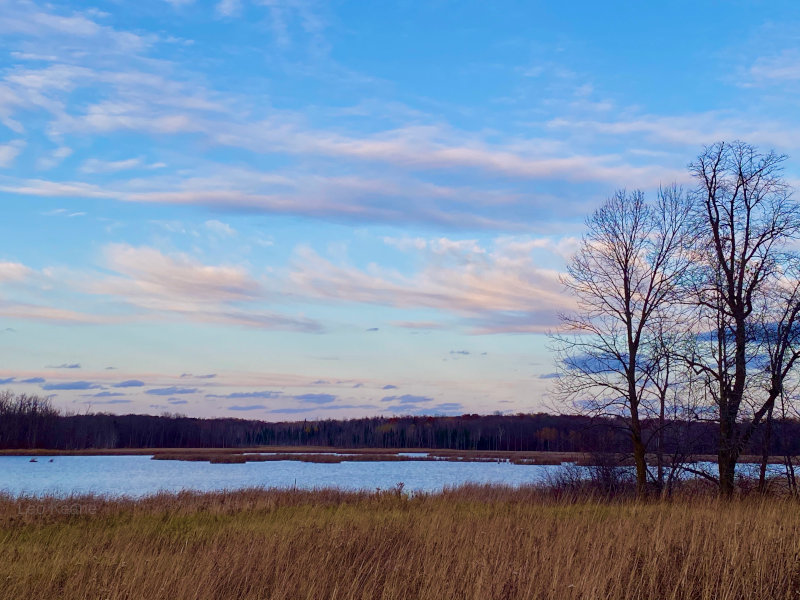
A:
623	277
779	334
787	411
745	220
667	401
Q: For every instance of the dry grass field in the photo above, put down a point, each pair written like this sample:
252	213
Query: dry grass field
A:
474	543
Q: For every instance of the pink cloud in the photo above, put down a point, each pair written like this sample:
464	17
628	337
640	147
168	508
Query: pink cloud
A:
491	289
159	285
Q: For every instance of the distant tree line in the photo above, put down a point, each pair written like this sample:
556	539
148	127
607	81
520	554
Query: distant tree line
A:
31	422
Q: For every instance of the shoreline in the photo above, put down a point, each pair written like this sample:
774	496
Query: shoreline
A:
516	456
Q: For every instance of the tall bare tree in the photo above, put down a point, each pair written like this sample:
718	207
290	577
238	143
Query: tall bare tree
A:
624	276
745	221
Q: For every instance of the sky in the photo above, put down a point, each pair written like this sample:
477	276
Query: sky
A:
289	209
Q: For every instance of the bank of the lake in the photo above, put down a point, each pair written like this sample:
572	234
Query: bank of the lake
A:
474	543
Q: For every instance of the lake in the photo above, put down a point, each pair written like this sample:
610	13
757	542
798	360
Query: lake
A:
139	475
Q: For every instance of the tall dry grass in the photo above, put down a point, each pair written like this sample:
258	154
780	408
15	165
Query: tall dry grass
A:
474	542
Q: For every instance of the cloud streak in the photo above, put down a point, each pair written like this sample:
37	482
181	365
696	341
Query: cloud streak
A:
156	283
493	290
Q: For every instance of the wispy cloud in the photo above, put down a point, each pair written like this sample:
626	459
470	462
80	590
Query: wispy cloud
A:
171	391
247	395
219	228
109	401
159	284
12	271
550	376
685	133
315	398
783	66
10	151
130	383
423	325
70	385
491	289
407	399
414	408
228	8
19	310
94	165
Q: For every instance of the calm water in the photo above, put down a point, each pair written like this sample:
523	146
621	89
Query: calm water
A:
139	475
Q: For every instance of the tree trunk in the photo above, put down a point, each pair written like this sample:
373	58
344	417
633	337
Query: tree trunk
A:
728	454
765	447
660	453
641	467
727	472
639	458
787	457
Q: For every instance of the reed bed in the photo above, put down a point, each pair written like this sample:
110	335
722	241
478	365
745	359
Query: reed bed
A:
474	542
233	456
327	458
196	453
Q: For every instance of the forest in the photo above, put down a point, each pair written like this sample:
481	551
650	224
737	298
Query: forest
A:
31	422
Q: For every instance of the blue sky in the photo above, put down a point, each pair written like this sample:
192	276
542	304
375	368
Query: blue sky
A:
286	209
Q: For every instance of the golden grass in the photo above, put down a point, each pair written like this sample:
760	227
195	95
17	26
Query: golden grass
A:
473	543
